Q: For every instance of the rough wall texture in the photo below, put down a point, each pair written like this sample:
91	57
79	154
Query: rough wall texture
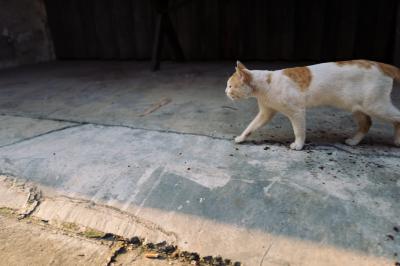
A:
24	34
289	30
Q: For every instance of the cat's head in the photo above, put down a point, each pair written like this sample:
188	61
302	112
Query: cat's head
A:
238	85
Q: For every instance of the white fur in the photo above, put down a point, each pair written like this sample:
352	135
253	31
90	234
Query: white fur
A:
363	91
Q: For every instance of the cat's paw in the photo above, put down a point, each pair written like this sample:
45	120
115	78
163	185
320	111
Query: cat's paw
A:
351	142
296	146
239	139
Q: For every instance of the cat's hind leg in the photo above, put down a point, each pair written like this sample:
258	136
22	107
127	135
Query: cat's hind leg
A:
389	113
364	123
261	119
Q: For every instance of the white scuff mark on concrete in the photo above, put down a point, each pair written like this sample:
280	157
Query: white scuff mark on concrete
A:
299	187
273	181
155	184
272	164
248	181
148	172
206	176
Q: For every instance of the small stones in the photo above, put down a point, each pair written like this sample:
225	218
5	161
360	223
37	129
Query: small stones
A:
390	237
136	241
161	244
152	255
109	237
163	251
175	254
266	148
207	259
149	246
218	259
194	256
227	261
168	249
396	229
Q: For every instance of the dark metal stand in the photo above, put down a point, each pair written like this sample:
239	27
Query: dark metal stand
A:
164	28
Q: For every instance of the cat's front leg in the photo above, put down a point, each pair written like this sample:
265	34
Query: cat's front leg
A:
298	121
261	119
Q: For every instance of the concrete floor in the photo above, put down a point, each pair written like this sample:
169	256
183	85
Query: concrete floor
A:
92	130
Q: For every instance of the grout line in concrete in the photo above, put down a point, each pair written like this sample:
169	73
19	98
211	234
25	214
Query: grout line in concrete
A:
82	123
40	135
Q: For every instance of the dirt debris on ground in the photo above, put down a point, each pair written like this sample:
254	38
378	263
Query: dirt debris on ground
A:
74	244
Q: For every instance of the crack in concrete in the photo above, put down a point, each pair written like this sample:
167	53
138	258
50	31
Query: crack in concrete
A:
82	123
136	219
265	254
120	245
40	135
269	143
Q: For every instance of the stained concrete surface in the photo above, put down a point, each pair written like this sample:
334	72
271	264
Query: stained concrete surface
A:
178	168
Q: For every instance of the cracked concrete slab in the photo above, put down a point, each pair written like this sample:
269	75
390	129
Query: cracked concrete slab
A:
177	169
15	129
141	172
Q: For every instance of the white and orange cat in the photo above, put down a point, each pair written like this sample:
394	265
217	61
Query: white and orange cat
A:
359	86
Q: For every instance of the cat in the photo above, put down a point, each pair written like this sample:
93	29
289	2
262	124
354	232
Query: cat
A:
360	86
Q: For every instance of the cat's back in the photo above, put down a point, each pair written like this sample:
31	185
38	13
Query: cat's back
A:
353	71
345	83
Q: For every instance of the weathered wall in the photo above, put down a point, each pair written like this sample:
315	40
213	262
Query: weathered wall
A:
24	34
228	29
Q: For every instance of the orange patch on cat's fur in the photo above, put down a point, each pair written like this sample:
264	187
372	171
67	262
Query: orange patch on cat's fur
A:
360	63
389	70
300	75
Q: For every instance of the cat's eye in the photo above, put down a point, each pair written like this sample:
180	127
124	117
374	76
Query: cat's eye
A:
230	86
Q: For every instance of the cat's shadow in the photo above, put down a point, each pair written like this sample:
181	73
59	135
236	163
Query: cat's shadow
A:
367	145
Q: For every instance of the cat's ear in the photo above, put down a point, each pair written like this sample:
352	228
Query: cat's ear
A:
243	73
240	65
